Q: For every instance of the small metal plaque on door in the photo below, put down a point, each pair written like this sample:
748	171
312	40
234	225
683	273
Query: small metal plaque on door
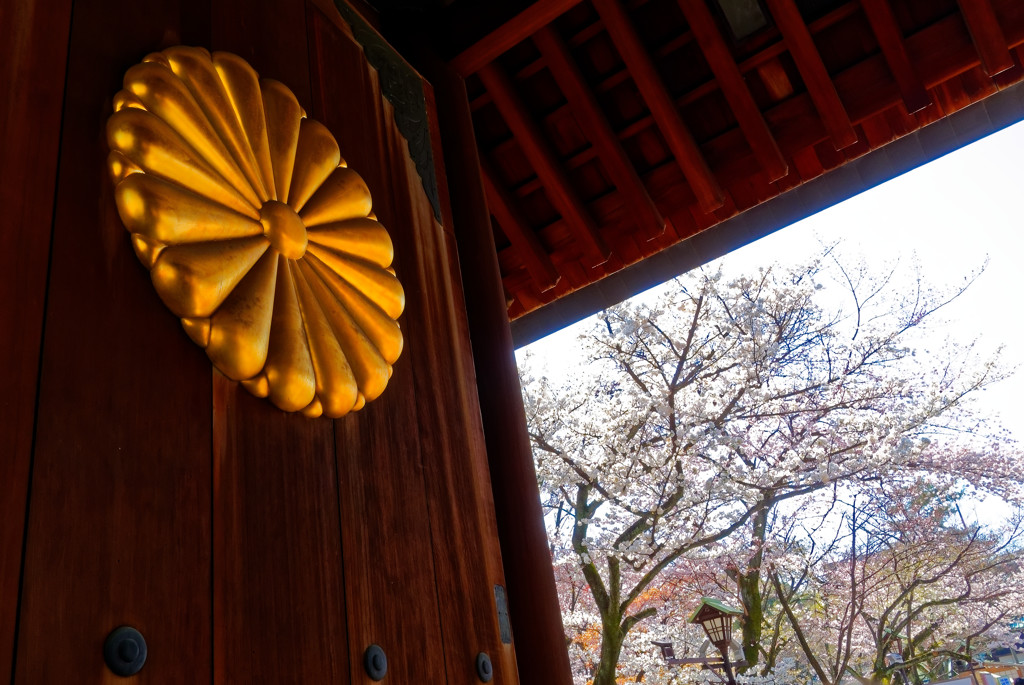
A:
501	603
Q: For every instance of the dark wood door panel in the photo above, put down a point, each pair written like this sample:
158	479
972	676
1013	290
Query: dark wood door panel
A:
119	516
464	542
278	596
246	544
279	606
270	35
33	57
446	420
389	575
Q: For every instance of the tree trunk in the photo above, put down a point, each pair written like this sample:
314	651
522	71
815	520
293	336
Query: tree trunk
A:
749	584
612	637
753	619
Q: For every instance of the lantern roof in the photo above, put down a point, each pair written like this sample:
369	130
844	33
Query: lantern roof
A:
714	606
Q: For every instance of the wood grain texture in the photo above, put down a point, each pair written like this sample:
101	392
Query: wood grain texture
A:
812	70
533	600
390	589
556	184
278	595
873	64
270	35
33	57
663	109
988	37
448	445
278	581
730	80
890	40
592	120
517	29
481	524
532	252
119	518
467	561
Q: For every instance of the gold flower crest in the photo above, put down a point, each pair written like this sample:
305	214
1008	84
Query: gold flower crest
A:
255	232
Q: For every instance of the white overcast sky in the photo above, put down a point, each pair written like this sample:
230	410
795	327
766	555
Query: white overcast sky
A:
953	213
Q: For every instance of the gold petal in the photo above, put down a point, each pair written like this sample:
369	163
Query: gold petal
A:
121	167
170	214
198	330
316	156
195	67
314	410
343	195
193	280
373	282
148	142
148	251
289	365
257	385
157	57
335	384
370	369
202	156
240	330
381	329
243	88
363	238
125	99
166	96
283	114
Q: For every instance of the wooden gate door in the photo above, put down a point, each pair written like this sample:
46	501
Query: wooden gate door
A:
246	544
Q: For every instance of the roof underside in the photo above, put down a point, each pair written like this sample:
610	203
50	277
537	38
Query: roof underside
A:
612	130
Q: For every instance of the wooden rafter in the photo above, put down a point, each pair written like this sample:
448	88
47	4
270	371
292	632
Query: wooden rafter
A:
516	30
663	108
523	239
890	40
730	80
768	54
812	70
892	63
989	41
538	152
593	122
868	87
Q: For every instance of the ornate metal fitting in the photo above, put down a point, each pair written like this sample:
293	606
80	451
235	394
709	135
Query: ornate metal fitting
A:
255	232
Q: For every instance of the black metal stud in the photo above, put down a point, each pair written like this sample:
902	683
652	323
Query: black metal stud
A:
375	662
124	651
484	668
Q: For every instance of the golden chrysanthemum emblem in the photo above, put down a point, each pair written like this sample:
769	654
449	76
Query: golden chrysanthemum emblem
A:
255	232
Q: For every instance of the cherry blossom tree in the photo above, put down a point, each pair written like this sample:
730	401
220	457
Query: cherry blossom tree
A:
704	411
904	574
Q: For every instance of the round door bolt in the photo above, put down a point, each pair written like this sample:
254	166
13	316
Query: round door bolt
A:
375	662
484	668
124	651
